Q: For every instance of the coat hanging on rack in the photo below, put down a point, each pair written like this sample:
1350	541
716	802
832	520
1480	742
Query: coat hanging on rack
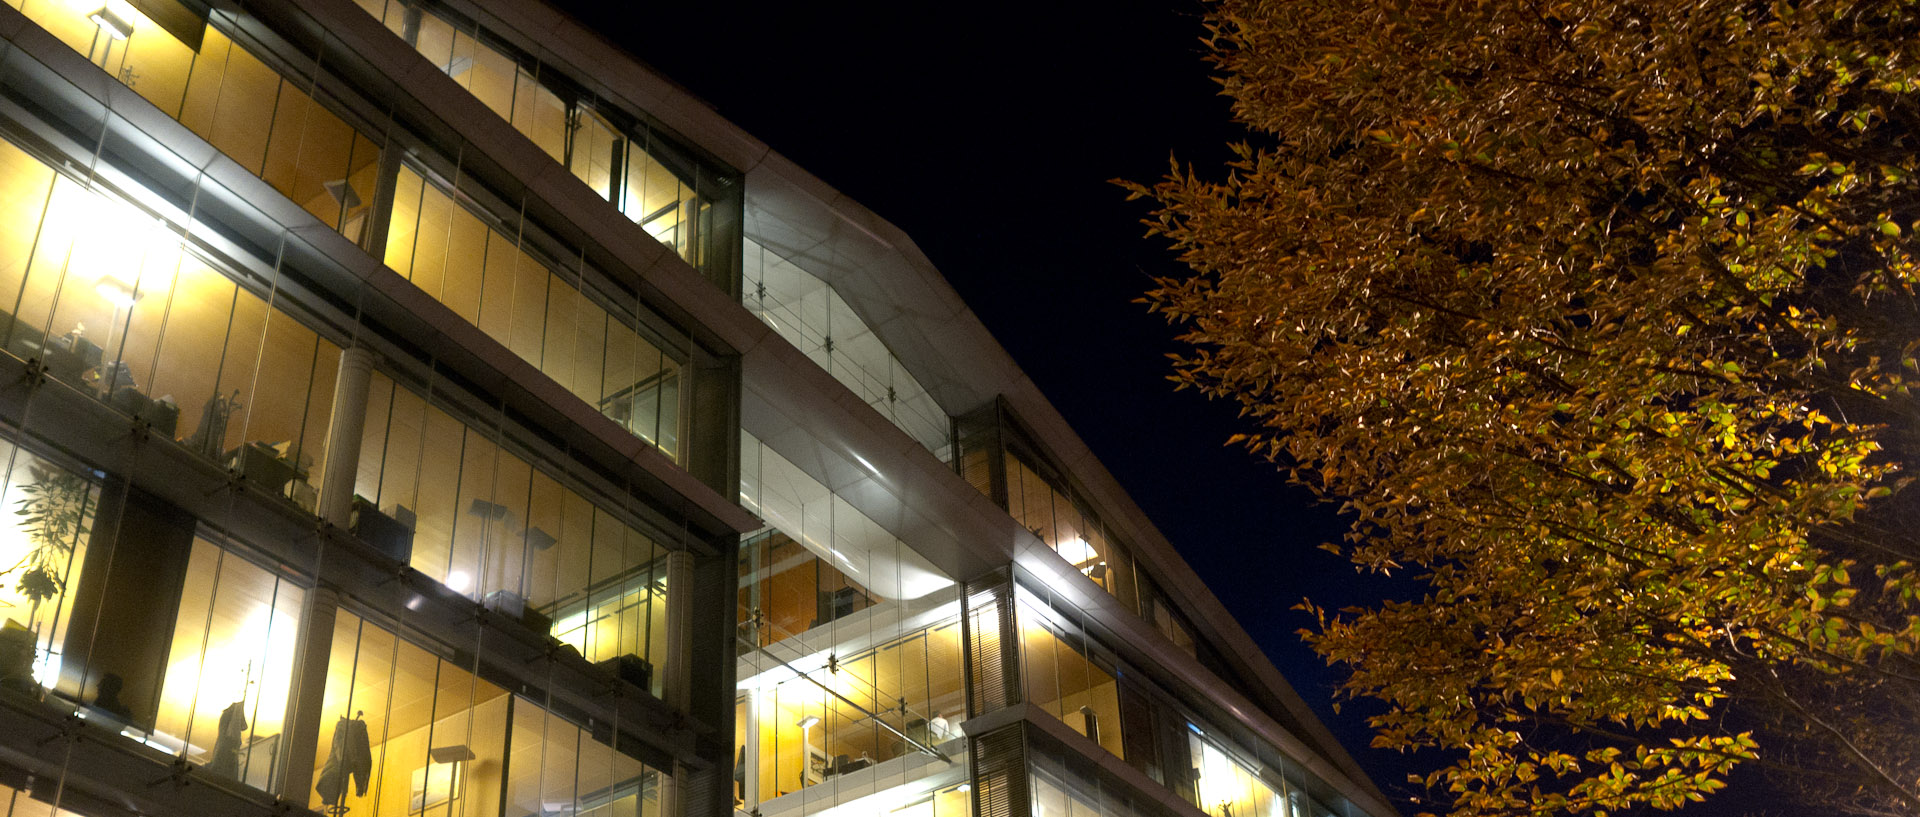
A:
352	754
227	739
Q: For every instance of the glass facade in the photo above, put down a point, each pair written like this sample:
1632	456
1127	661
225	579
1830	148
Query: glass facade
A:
814	318
202	354
207	361
1067	786
488	524
1064	788
996	459
270	535
850	653
495	281
688	205
1068	669
139	611
292	133
1069	675
187	649
405	731
272	125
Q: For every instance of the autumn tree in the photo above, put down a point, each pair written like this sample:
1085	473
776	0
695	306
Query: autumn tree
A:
1600	319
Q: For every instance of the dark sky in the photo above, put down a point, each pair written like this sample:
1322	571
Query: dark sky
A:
989	131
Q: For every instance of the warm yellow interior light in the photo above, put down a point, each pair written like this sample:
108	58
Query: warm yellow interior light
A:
1076	550
117	292
113	24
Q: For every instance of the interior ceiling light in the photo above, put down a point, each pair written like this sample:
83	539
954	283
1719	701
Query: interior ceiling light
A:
115	26
117	292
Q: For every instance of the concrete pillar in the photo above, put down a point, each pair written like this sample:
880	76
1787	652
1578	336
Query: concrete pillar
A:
678	681
301	737
345	430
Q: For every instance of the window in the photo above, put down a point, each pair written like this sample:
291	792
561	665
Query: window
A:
273	125
437	740
147	325
492	281
809	314
682	203
488	524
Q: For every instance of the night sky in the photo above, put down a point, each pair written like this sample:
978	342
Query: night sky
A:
989	131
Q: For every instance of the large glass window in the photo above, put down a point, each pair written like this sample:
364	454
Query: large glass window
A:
1226	786
1068	675
821	561
809	314
850	662
559	768
405	732
121	608
273	125
1060	790
286	131
786	590
230	667
997	459
489	525
1041	505
815	718
492	280
46	516
677	200
949	801
1068	671
147	325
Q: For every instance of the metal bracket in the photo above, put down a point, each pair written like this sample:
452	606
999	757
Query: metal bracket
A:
180	774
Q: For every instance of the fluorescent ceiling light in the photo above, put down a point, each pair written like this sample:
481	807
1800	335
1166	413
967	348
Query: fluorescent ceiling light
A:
1076	550
117	292
113	24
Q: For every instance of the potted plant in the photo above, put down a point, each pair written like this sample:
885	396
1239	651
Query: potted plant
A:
53	511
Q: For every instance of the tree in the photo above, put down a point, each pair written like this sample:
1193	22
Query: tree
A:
1600	319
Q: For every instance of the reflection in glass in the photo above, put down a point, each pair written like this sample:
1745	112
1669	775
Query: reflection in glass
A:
809	314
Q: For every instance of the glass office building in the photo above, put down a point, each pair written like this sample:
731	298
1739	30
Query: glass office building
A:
419	407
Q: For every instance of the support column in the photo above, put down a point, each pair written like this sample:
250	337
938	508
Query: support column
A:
301	737
991	638
669	790
678	681
345	429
